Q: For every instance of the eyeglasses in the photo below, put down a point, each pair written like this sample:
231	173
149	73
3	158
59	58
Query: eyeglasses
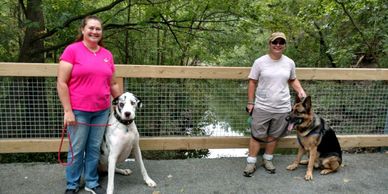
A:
280	42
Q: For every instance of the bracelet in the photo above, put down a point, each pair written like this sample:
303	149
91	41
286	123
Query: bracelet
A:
250	103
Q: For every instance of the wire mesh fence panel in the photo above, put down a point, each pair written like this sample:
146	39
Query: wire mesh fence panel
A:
30	107
189	107
217	107
351	107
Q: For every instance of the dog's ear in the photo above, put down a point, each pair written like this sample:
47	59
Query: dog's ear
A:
307	103
139	102
115	101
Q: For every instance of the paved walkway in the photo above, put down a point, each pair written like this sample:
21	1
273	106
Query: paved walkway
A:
361	173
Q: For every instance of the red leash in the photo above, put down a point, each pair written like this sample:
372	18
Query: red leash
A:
71	147
60	148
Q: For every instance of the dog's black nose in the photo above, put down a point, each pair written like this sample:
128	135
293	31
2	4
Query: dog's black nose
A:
127	114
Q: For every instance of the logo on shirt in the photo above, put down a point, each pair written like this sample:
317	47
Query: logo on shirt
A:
106	60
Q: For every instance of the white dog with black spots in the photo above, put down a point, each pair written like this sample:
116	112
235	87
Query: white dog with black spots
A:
121	137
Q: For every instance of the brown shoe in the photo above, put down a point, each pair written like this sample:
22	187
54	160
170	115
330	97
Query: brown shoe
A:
249	169
269	167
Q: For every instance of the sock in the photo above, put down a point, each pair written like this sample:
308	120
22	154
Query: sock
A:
268	156
251	160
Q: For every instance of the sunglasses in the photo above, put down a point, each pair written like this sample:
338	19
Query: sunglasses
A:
280	42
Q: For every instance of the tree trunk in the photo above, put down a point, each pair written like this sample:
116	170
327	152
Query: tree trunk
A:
324	48
35	27
29	93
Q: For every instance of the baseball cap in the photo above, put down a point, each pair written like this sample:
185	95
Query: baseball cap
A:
276	35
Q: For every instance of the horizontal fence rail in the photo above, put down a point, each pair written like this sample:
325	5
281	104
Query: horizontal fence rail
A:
188	143
195	107
197	72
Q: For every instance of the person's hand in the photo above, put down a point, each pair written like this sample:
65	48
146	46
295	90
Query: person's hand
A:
249	108
69	119
302	94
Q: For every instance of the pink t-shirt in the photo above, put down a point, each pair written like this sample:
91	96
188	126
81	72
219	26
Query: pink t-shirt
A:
89	84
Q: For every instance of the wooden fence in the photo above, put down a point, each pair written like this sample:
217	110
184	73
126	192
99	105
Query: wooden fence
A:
24	145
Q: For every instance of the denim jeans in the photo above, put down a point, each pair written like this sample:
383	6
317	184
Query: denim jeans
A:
86	141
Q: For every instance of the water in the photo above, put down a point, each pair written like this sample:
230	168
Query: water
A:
223	129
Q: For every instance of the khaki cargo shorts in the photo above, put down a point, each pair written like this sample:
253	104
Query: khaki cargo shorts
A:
266	124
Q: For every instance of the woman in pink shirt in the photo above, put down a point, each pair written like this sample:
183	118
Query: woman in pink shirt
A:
85	83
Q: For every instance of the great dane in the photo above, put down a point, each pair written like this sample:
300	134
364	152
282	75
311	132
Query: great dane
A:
121	137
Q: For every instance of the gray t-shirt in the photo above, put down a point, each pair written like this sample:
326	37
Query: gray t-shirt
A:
272	92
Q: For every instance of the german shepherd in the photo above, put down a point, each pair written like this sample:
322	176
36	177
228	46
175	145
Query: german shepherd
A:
316	137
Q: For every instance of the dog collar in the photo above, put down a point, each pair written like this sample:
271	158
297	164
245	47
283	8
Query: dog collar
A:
125	122
316	122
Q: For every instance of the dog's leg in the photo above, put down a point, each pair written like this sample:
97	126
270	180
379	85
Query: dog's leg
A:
111	172
327	171
124	172
296	162
316	163
330	165
139	159
304	162
310	166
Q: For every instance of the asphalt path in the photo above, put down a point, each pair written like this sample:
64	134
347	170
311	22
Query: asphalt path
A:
360	173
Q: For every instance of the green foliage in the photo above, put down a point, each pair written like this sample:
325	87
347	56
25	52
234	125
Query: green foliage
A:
10	37
321	33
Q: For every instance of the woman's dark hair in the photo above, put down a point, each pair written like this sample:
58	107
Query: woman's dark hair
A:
80	36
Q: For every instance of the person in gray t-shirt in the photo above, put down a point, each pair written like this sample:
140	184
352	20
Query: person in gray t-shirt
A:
269	101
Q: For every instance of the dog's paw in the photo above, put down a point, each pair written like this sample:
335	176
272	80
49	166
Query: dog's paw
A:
150	183
308	176
125	172
304	162
292	166
326	171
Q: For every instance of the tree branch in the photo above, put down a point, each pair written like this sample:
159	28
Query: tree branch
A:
21	3
172	31
71	20
322	42
354	23
358	30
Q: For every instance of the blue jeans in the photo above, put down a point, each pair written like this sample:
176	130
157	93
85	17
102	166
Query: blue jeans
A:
86	141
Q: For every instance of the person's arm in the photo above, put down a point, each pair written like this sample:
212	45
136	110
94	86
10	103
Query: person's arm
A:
252	84
295	84
115	89
63	77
